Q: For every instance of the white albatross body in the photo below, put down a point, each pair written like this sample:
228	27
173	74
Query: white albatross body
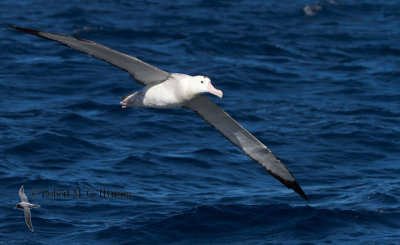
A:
175	91
170	90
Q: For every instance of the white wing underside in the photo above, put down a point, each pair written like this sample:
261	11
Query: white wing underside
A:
22	194
27	214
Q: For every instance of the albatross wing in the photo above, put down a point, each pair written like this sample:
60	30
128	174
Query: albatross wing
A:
22	194
142	72
240	137
27	214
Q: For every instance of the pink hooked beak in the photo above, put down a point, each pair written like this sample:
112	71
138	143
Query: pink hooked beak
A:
213	90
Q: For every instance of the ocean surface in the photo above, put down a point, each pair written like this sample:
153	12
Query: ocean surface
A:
316	81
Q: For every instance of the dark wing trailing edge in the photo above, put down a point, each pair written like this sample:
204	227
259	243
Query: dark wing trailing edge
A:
142	72
240	137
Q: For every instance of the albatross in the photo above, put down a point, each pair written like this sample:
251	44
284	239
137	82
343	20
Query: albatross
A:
171	90
26	206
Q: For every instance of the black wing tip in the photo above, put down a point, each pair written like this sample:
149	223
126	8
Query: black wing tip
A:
296	187
27	30
291	185
41	34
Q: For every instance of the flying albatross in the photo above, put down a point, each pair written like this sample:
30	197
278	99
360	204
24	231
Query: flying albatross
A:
168	90
26	206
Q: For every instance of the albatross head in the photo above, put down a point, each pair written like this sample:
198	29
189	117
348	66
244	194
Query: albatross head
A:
202	84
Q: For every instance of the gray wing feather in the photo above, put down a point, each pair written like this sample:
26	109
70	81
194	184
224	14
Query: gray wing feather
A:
22	194
27	214
240	137
139	70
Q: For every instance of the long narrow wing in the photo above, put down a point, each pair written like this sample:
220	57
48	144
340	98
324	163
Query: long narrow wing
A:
22	195
27	214
140	71
240	137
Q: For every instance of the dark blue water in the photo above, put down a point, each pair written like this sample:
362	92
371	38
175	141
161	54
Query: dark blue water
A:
321	91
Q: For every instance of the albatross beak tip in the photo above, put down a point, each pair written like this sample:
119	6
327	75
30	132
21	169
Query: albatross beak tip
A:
217	93
214	91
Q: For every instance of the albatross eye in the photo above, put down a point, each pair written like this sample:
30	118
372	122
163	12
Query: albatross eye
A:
202	81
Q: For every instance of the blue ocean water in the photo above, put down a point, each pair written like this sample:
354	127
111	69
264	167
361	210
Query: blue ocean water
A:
321	91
